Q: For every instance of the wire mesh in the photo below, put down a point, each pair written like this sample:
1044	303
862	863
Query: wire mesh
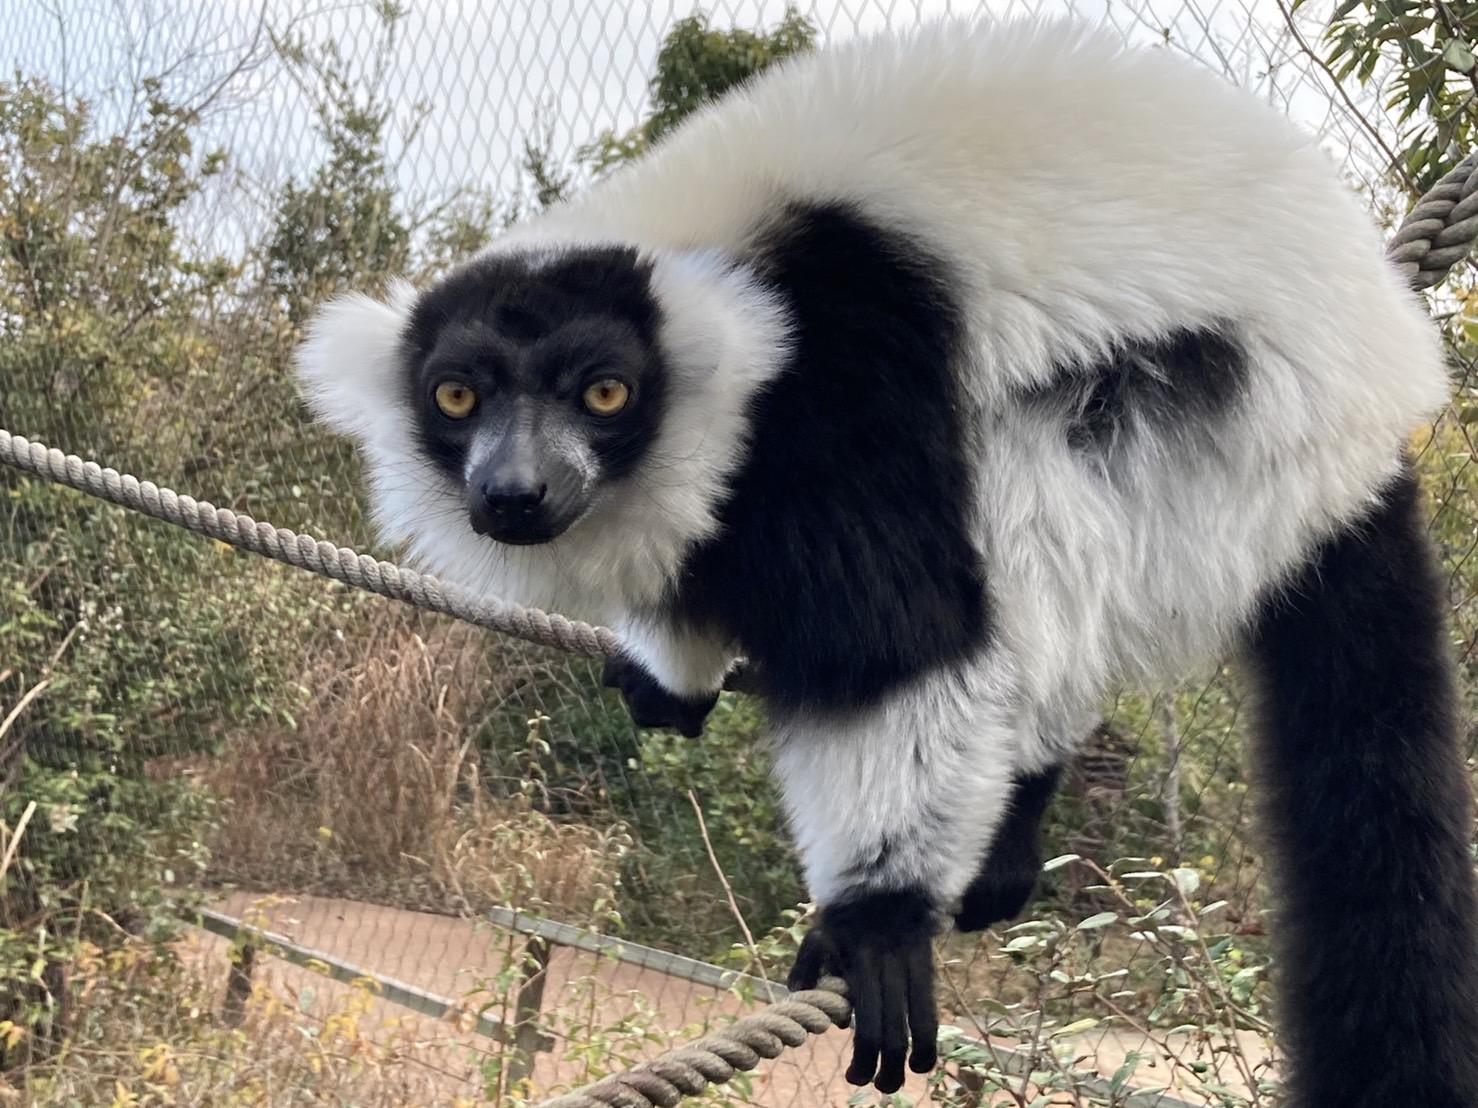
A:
184	726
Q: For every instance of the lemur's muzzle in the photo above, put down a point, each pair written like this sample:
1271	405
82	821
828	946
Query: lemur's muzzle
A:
524	493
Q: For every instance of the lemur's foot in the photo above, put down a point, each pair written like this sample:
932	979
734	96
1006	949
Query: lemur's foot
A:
881	945
998	893
650	704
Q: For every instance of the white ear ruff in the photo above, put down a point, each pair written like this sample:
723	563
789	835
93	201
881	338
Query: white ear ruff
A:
348	365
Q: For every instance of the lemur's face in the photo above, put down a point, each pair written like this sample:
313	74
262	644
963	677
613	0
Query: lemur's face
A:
533	383
592	399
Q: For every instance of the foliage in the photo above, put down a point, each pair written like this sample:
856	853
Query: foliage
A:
1153	980
698	63
727	773
97	290
124	648
343	229
97	297
1432	52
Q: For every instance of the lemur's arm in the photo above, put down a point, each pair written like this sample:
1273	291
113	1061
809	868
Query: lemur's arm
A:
670	675
893	808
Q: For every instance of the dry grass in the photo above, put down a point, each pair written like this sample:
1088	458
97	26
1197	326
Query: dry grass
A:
147	1036
378	792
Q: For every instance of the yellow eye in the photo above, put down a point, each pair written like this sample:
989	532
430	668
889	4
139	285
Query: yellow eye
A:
607	397
455	399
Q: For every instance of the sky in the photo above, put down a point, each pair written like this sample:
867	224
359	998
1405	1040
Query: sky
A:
485	72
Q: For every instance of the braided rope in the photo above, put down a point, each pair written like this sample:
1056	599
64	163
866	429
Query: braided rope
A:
1440	230
714	1059
304	551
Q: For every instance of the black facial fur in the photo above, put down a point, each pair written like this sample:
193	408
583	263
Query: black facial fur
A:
528	335
1183	379
845	565
1368	814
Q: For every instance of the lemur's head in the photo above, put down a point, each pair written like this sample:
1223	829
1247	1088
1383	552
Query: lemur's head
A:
586	399
532	387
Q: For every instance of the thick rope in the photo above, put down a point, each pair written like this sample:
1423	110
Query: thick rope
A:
304	551
714	1059
1439	232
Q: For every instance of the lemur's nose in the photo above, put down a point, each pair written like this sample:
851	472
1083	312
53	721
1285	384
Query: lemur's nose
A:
521	500
512	498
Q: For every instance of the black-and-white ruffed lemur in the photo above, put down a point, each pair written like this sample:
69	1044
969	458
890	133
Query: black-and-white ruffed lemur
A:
951	378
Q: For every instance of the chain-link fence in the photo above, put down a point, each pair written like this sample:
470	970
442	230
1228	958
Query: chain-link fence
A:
480	881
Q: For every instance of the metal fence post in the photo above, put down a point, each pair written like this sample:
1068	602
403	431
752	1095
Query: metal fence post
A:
527	1040
238	982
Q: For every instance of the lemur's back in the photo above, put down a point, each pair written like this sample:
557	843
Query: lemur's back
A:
1084	189
1086	196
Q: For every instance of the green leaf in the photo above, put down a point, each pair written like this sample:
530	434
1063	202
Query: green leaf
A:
1124	1072
1057	863
1457	55
1101	919
1087	1023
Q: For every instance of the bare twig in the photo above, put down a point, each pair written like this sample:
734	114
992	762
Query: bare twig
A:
20	705
1170	787
35	690
15	838
984	1033
754	952
1313	55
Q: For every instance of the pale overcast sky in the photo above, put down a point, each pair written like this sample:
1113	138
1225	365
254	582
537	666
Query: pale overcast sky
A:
485	69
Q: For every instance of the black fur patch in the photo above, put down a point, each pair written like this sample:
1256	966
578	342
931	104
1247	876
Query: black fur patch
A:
1368	814
845	566
1174	381
649	704
1009	875
526	302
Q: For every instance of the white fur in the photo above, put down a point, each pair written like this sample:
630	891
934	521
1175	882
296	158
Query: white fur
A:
1083	194
913	789
349	367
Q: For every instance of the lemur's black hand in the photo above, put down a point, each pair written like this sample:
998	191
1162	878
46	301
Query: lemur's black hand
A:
997	894
1009	873
650	704
1004	884
880	945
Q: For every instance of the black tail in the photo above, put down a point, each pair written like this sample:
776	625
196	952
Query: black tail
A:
1368	817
